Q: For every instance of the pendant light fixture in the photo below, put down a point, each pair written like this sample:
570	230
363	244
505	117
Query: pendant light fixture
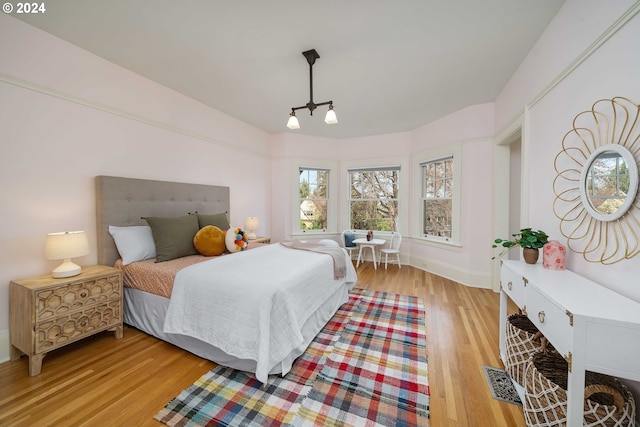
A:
330	118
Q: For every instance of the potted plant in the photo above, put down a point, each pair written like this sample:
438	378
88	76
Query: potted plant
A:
529	240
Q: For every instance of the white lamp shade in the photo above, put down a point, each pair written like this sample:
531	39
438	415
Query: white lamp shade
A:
331	117
293	122
251	223
66	245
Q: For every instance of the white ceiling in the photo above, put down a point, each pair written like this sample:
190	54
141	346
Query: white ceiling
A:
389	66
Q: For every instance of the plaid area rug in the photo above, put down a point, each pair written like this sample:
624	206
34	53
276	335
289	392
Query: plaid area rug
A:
368	366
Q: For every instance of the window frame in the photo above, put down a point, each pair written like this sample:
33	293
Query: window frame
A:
325	199
352	200
401	163
332	196
451	151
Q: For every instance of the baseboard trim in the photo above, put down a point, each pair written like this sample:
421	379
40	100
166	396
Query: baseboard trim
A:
469	278
5	344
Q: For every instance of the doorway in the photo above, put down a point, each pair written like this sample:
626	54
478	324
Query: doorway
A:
508	180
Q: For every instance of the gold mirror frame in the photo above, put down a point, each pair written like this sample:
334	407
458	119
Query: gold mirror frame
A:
598	238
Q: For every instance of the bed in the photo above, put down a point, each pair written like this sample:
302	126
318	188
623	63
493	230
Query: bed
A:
255	310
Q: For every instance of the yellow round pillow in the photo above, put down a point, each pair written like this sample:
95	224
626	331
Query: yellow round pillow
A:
209	241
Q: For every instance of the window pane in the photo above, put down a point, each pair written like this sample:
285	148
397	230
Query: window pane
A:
313	215
313	199
448	192
437	217
437	197
374	199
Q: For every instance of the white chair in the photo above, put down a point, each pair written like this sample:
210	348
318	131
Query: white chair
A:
351	246
394	248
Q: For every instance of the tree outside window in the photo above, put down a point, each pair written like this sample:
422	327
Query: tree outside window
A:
313	199
374	199
437	197
607	182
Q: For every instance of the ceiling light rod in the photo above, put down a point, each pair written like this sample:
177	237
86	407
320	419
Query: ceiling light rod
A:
330	118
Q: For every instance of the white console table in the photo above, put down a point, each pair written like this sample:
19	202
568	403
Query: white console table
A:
594	328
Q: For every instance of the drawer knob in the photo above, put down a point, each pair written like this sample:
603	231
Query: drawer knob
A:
510	285
541	316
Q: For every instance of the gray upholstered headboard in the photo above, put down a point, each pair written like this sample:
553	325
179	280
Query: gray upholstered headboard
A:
123	201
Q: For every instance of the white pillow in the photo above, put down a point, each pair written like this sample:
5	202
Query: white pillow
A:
134	243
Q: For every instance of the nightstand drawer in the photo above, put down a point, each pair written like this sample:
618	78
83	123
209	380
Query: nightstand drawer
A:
65	329
513	285
61	300
550	319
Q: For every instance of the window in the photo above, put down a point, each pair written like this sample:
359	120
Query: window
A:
437	197
373	198
314	197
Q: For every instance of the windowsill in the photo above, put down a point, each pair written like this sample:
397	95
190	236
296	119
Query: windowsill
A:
314	233
376	234
445	244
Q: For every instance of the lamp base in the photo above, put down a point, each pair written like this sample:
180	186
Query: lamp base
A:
66	269
251	236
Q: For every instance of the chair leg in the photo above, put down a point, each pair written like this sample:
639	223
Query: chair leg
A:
359	253
398	256
386	259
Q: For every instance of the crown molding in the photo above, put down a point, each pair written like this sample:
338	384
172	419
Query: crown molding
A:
593	47
121	113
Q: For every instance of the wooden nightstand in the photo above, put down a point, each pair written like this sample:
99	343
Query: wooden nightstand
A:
47	313
261	239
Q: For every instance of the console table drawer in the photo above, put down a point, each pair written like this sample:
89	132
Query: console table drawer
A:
550	319
513	285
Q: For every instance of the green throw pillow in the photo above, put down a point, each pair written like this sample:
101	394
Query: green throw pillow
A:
217	220
173	236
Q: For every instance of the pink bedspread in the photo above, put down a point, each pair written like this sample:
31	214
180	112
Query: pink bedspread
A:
157	277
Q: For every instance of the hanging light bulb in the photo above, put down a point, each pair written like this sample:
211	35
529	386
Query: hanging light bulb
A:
331	118
293	121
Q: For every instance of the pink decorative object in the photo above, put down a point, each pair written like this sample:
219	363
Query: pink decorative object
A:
554	255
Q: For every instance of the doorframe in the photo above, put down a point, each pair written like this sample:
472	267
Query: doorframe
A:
513	131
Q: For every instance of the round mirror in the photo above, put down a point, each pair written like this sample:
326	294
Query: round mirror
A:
609	182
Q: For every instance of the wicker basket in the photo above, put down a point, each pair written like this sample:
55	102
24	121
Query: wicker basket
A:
522	340
607	401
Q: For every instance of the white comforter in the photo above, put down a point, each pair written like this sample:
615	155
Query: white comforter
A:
252	304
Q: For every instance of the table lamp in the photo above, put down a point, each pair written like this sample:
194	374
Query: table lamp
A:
251	223
64	246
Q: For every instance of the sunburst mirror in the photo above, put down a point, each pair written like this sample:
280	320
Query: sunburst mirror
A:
597	181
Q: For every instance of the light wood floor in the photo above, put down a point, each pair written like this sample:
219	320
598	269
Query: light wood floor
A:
102	381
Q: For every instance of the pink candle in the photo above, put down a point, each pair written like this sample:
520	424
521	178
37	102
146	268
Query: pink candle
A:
554	255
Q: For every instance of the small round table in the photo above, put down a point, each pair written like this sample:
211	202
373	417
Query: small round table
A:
364	243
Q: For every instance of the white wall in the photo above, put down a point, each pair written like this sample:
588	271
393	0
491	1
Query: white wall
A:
67	115
577	26
609	71
473	129
585	55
